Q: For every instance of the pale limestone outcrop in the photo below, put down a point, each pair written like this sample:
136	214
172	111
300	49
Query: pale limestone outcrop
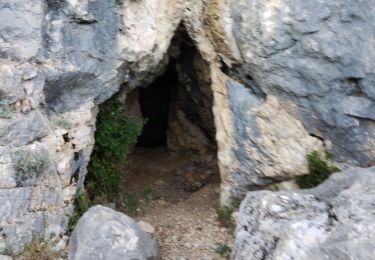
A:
59	60
103	233
332	221
287	77
305	54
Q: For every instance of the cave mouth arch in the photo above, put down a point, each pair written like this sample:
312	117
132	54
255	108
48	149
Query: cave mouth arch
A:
179	134
176	152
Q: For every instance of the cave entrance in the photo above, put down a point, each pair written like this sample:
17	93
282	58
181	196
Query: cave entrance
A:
154	102
175	154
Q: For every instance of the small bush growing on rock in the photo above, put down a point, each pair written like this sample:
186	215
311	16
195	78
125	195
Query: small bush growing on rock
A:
224	214
81	205
115	134
5	111
320	169
29	165
223	250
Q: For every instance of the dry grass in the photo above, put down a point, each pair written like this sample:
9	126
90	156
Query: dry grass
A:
39	249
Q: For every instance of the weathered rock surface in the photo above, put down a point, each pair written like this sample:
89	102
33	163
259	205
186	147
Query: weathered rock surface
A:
58	60
333	221
316	59
103	233
285	77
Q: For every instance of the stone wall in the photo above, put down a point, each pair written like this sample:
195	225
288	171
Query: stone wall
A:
288	77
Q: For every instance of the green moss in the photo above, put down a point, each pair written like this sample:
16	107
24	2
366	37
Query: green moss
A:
115	134
81	205
319	170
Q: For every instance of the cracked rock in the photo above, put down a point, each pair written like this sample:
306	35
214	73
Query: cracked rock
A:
333	221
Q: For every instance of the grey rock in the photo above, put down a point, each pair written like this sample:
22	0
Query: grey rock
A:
15	202
23	129
269	144
59	60
5	257
316	59
318	56
17	234
103	233
283	78
332	221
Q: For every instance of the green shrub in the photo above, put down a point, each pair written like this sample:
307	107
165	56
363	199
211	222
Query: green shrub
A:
81	205
115	133
320	169
134	200
223	250
5	111
29	165
224	214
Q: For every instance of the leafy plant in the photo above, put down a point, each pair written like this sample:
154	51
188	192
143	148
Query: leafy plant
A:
29	165
5	111
115	134
134	201
224	214
223	250
320	169
63	123
81	205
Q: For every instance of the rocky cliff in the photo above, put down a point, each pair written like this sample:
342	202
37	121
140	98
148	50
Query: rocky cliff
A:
287	78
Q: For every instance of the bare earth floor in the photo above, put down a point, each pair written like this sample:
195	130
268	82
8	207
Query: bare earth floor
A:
186	225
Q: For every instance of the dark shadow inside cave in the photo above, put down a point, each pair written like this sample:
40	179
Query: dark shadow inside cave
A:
177	145
154	102
175	153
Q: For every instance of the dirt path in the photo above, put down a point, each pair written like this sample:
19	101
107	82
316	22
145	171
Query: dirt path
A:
185	223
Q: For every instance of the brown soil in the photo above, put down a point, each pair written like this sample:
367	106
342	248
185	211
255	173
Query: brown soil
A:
186	225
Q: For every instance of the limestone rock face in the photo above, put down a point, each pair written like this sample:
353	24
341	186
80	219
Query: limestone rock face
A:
332	221
58	61
316	58
103	233
286	77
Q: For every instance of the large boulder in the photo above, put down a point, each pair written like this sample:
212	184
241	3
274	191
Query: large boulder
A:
316	59
333	221
103	233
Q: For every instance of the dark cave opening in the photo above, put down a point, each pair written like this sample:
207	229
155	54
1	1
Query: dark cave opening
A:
177	105
154	102
175	153
161	131
177	144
